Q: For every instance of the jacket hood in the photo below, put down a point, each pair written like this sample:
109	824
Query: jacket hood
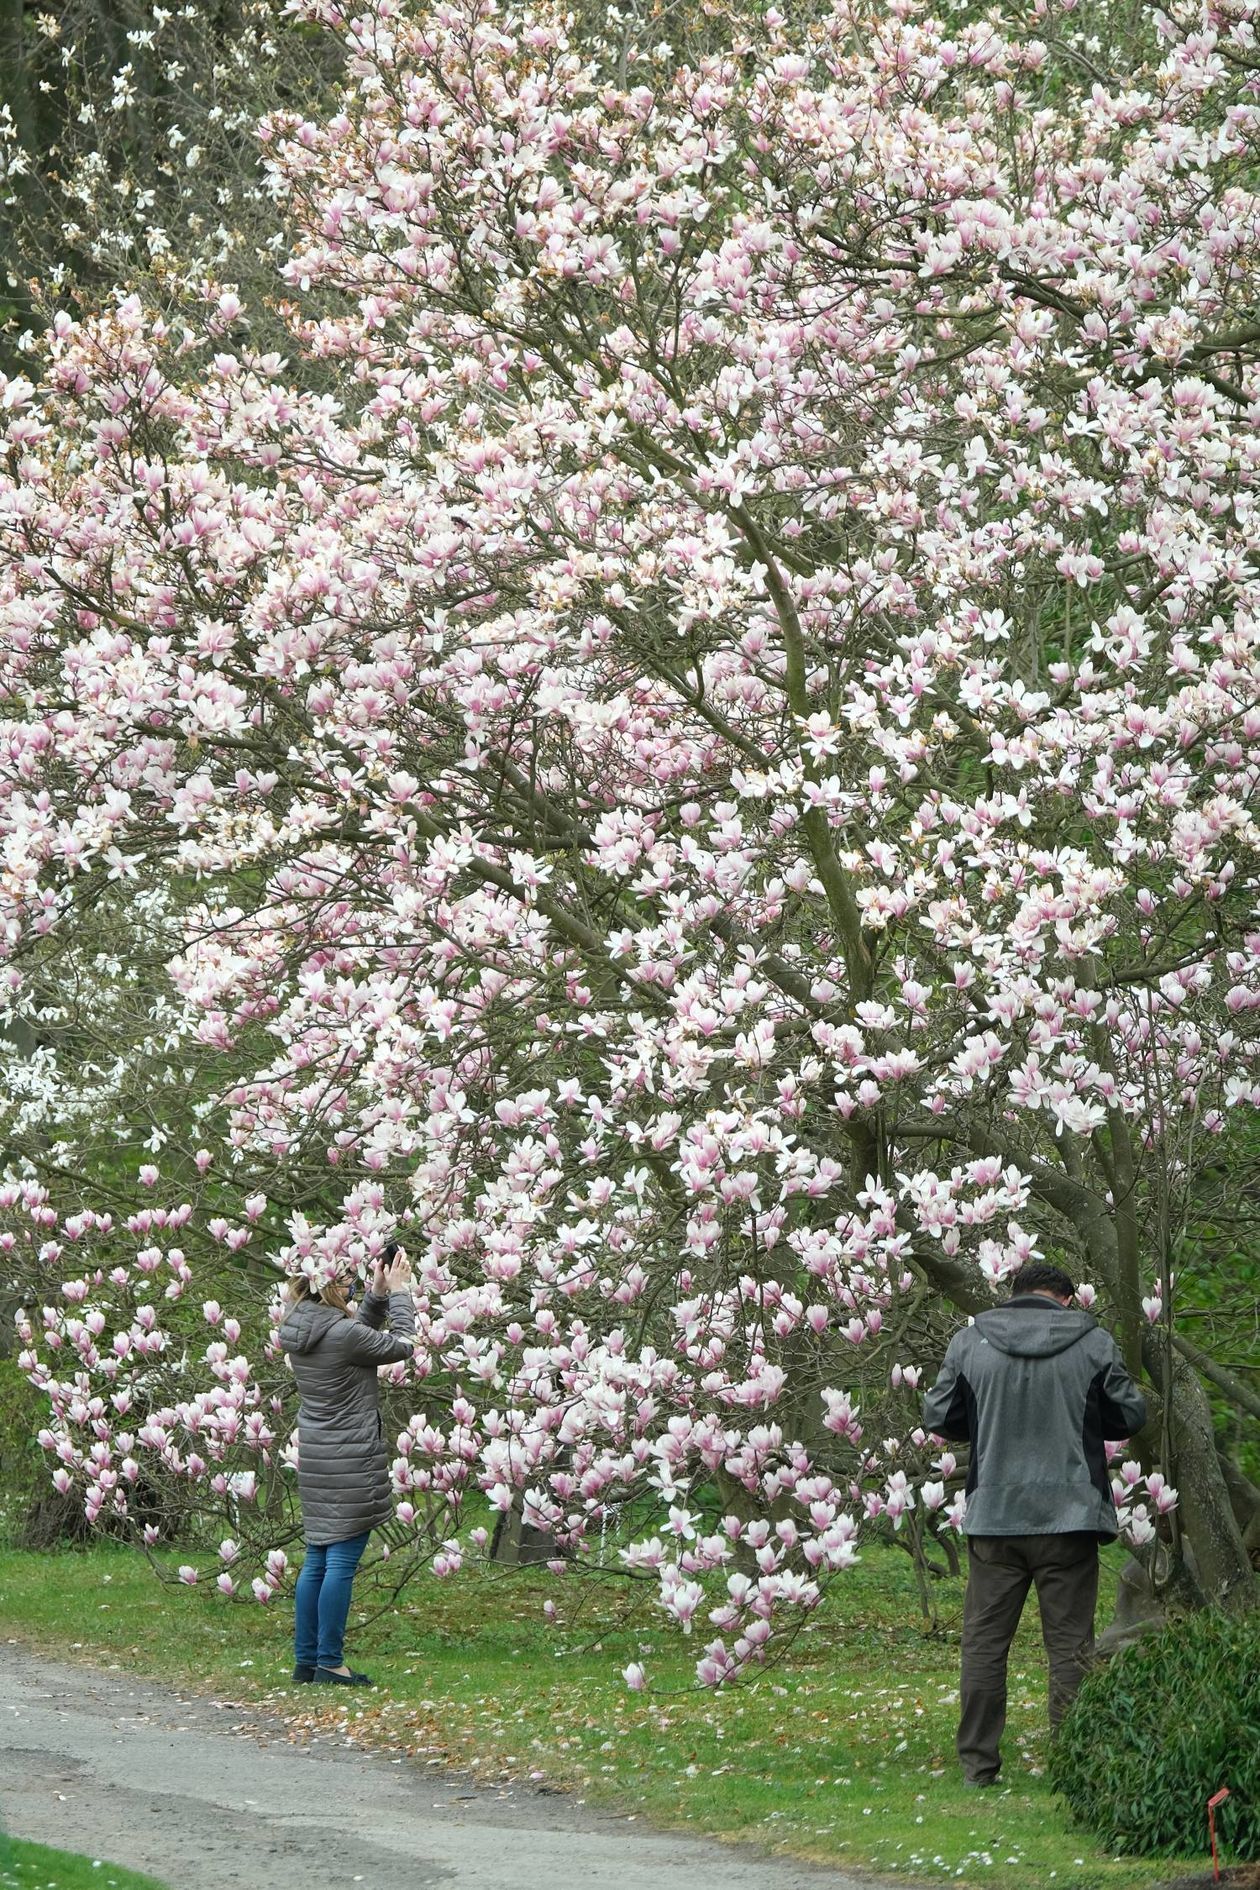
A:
303	1327
1033	1326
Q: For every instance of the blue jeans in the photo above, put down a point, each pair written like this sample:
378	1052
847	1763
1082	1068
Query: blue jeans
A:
322	1600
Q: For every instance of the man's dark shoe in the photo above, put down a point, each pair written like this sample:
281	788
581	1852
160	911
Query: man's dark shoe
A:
980	1784
328	1677
303	1676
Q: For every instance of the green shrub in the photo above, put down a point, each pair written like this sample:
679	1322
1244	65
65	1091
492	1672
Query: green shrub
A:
1160	1728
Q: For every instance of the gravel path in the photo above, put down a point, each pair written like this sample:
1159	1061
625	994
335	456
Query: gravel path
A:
208	1796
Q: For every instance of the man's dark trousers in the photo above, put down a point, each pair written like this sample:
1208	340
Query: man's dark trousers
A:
1000	1571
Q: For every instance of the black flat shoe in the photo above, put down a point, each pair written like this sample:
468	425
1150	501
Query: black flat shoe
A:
325	1676
302	1676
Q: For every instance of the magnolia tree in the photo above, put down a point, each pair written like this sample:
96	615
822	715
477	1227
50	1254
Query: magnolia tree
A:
691	744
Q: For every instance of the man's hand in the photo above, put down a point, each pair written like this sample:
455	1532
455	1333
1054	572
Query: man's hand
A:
398	1273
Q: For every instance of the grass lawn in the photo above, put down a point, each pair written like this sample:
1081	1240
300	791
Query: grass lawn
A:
35	1867
845	1756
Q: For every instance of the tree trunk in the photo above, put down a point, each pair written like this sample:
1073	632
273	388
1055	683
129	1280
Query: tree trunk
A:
1245	1498
1208	1522
519	1544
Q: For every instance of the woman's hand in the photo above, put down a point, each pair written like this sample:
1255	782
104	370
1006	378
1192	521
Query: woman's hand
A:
380	1285
397	1273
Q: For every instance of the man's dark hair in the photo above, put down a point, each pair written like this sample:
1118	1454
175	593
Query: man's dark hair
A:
1041	1277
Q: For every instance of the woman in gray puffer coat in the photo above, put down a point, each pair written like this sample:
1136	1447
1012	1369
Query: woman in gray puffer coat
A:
343	1466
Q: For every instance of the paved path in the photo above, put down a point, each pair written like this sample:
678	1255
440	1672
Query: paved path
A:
210	1797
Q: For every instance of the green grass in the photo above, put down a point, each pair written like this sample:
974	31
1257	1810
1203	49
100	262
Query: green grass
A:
844	1756
35	1867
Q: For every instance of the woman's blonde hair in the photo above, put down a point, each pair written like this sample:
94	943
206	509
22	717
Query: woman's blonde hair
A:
335	1294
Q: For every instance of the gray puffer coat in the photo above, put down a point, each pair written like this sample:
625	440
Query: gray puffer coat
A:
343	1465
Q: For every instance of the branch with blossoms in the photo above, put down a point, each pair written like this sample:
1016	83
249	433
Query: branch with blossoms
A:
1141	1499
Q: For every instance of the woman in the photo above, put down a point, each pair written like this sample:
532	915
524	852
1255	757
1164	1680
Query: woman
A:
343	1469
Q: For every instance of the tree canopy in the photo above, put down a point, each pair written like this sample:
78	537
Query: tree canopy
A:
691	737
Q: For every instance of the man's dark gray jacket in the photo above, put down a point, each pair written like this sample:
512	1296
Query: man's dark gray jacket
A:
1035	1388
343	1465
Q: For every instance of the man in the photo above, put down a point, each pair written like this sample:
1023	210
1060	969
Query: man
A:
1034	1387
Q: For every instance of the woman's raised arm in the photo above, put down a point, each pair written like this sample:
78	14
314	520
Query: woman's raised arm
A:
366	1346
